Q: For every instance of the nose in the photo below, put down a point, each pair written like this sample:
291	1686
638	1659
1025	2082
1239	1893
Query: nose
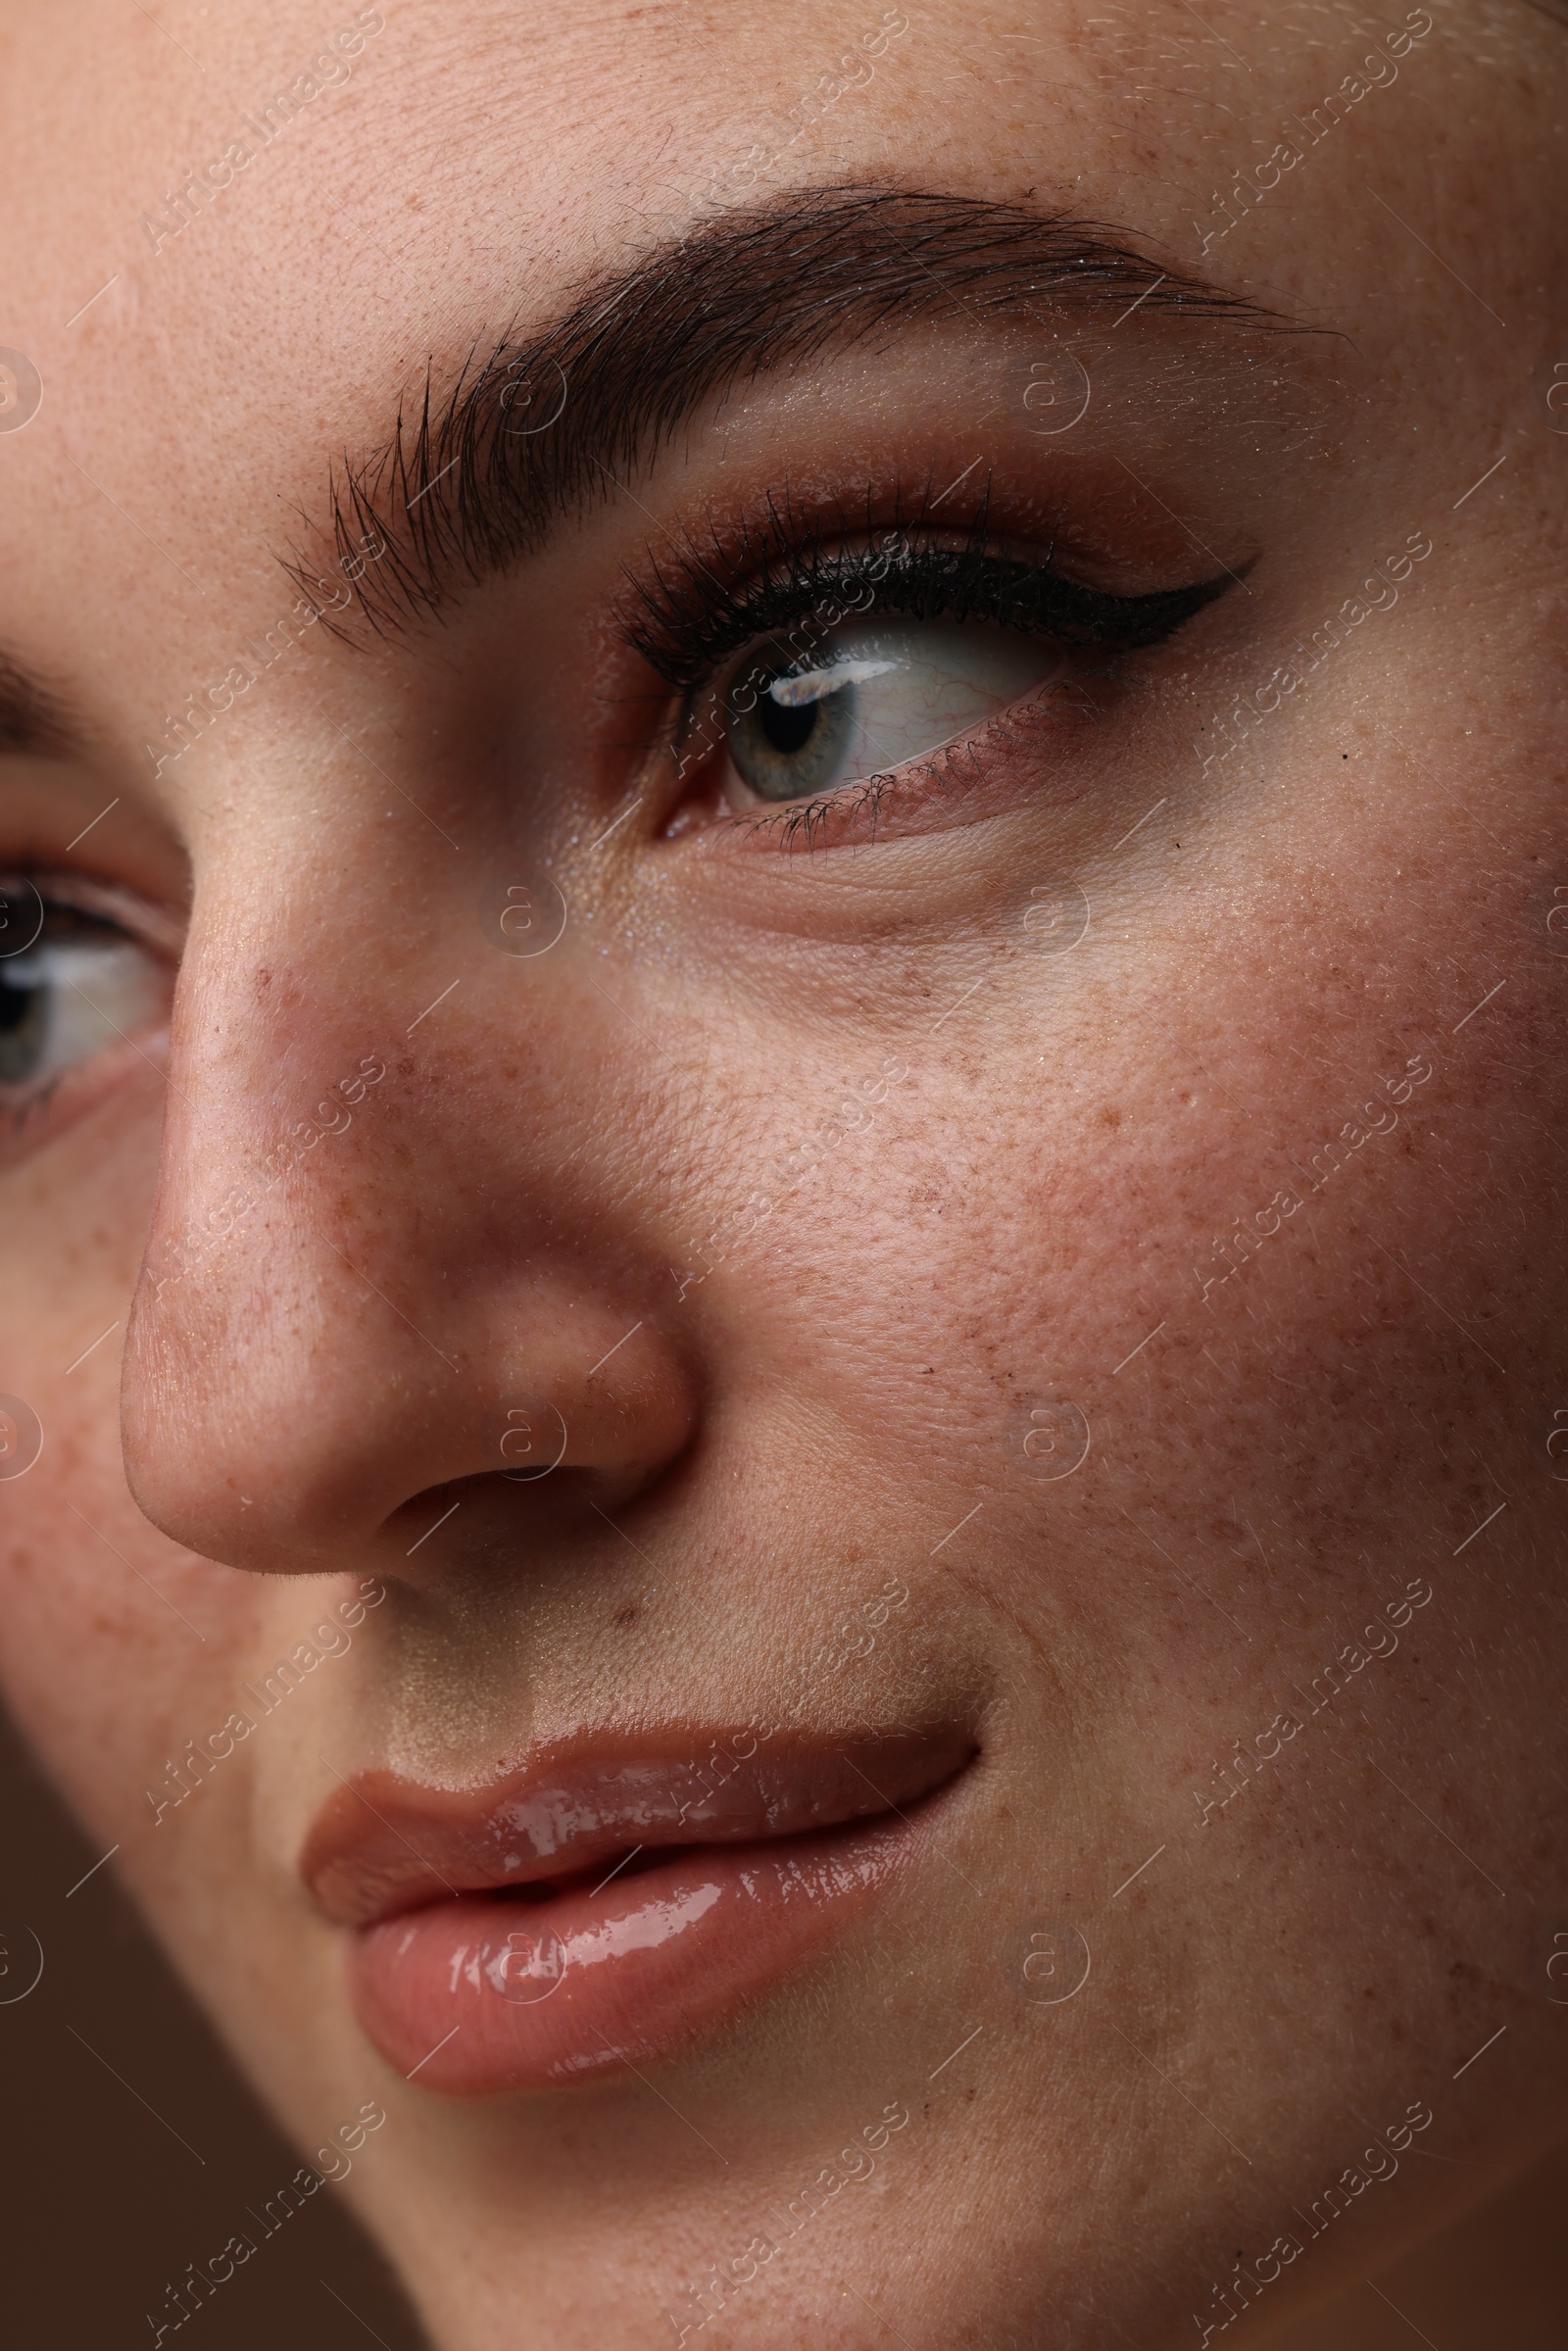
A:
395	1263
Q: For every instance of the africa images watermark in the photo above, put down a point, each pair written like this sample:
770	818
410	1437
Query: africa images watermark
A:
807	112
1379	2163
1379	594
332	1116
202	710
853	2164
855	1113
1328	1683
201	189
1310	130
334	2163
329	1639
1239	1248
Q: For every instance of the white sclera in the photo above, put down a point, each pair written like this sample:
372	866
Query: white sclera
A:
883	695
94	992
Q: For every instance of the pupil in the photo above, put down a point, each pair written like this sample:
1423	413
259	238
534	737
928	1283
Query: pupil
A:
23	1020
15	1005
787	726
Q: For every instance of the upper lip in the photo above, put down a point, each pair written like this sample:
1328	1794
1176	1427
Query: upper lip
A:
381	1843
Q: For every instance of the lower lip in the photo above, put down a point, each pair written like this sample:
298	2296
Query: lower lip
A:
485	1993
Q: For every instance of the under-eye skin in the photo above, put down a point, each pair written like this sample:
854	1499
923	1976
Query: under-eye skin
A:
857	664
80	987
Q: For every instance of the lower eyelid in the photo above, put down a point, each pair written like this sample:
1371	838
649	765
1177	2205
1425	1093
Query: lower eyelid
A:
31	1120
1002	734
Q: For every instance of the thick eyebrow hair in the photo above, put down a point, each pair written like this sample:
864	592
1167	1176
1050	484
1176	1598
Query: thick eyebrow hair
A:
464	487
32	721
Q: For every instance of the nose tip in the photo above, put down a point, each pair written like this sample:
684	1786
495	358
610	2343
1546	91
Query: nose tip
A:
320	1426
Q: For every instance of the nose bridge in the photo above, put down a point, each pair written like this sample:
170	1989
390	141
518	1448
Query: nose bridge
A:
273	1055
378	1239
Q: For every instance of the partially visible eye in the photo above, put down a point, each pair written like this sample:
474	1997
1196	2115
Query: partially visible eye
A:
864	698
81	983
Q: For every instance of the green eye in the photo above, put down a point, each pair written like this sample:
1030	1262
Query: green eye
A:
80	985
866	699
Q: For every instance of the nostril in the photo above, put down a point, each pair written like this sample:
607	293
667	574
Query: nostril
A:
497	1519
413	1510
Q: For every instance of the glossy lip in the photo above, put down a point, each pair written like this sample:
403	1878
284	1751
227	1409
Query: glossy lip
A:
608	1901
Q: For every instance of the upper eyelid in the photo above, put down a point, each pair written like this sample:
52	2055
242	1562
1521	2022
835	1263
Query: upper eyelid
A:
141	919
719	594
1028	598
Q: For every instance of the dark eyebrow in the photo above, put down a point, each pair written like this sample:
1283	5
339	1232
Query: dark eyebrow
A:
466	484
34	722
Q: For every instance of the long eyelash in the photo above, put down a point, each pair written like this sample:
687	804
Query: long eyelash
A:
704	604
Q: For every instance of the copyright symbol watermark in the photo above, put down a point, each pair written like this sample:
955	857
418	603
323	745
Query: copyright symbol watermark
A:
1551	924
21	1963
21	918
1557	1969
1055	917
529	1446
1046	1961
20	390
1557	397
1057	394
1051	1438
530	1968
21	1437
532	406
1551	1439
523	918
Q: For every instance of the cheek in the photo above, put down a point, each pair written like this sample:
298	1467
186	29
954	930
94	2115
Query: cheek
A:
102	1661
132	1683
1078	1179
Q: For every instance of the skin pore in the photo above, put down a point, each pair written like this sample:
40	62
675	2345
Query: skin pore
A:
1094	1172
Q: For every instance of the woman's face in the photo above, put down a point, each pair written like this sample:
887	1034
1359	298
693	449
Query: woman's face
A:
779	1206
